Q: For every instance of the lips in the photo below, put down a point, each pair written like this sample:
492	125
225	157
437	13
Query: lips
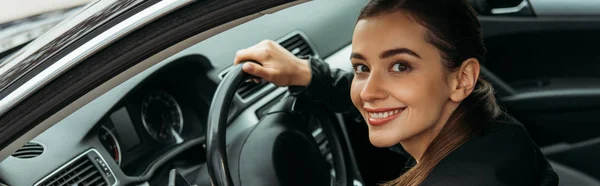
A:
381	116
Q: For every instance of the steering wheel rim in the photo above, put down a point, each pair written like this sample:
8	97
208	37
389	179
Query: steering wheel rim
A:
218	166
216	155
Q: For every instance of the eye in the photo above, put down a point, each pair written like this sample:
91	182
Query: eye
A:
360	68
400	67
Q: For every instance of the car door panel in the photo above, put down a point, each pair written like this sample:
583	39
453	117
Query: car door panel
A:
551	72
545	68
562	7
566	108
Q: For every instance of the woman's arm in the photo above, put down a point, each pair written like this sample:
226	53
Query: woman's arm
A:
306	77
328	86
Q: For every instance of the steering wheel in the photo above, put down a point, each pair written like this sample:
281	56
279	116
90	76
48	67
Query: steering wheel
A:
279	150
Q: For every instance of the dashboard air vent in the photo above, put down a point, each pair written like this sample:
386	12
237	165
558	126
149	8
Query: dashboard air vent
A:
29	150
298	46
246	89
80	171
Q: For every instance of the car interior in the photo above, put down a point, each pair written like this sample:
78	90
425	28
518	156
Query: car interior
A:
152	128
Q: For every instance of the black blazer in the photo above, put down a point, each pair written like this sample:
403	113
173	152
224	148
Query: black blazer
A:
502	154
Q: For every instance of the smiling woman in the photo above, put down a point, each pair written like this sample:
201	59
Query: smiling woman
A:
416	83
432	91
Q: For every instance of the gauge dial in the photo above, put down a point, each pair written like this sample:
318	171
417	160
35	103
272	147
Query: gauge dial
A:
109	141
162	117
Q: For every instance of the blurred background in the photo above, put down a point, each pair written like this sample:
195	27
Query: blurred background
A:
24	20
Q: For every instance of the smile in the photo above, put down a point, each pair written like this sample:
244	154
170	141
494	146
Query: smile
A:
382	115
379	117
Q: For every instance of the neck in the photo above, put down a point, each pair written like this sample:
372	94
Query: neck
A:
417	145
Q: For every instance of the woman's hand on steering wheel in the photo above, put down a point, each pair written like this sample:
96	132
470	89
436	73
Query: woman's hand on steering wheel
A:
275	64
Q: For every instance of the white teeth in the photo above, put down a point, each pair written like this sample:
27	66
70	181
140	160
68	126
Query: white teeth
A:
381	115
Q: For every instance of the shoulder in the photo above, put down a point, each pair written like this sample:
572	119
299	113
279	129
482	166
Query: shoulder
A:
501	155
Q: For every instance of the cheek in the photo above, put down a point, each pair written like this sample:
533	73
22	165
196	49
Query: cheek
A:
420	91
425	96
428	87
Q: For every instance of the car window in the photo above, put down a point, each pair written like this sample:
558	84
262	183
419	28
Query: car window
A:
16	30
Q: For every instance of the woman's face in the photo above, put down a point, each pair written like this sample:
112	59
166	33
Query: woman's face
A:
400	83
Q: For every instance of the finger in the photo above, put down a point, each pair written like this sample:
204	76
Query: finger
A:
257	70
257	54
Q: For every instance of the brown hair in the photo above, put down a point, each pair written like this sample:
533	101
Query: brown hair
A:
453	28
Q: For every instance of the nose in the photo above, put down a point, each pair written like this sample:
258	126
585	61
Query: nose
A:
373	89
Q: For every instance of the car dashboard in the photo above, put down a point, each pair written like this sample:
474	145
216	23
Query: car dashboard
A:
158	118
154	118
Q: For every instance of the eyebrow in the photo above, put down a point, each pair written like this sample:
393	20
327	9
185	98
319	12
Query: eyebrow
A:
388	53
357	56
396	51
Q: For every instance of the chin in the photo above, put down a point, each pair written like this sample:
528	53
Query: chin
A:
382	144
382	141
387	135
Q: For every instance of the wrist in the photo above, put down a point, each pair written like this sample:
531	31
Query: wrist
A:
304	75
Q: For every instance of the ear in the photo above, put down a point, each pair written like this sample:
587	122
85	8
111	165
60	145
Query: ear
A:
464	79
